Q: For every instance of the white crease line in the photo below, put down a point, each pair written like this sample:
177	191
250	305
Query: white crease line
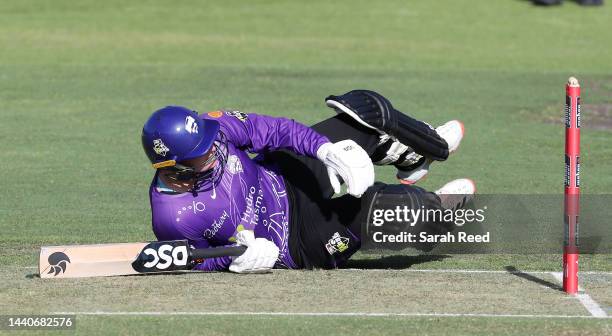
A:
20	267
587	301
444	271
320	314
462	271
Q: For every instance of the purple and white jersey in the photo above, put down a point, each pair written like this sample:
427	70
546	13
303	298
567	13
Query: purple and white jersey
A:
250	195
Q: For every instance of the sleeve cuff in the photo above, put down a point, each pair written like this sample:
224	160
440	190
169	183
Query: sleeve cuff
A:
323	150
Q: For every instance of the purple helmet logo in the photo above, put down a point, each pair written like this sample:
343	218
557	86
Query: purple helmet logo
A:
159	147
190	125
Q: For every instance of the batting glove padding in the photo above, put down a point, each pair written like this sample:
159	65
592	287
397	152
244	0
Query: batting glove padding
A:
347	161
260	256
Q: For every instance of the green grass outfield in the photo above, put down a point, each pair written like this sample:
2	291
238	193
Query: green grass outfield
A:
78	79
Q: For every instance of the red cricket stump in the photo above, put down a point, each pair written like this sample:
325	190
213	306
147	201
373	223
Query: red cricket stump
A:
572	186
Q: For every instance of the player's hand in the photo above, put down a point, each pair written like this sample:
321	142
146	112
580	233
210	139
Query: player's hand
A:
347	161
259	257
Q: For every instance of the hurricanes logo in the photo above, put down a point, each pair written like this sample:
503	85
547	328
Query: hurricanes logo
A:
190	125
337	244
237	114
160	148
58	262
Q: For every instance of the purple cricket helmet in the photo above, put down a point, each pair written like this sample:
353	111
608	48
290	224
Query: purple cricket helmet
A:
174	134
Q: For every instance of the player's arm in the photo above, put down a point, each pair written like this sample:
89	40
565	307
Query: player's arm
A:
260	256
260	133
346	160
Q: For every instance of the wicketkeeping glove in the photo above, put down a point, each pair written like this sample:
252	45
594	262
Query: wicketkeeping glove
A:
347	160
259	257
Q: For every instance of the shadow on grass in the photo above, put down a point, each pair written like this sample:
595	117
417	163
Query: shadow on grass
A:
394	262
388	262
141	275
512	270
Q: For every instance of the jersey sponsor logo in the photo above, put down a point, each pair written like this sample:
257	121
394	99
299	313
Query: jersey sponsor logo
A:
216	225
215	114
160	148
195	207
337	243
190	125
237	114
198	206
165	256
254	207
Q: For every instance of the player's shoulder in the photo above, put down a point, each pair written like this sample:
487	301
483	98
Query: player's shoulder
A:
236	125
226	115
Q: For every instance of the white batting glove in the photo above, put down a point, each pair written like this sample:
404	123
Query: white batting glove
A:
347	161
259	257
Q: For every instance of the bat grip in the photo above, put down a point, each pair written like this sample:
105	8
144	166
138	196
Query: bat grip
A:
214	252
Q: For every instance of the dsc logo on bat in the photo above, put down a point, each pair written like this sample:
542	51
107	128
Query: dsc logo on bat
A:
165	256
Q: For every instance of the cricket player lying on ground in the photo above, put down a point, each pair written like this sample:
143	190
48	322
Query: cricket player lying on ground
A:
207	189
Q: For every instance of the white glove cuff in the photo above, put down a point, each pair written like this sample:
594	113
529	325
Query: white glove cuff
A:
323	150
245	237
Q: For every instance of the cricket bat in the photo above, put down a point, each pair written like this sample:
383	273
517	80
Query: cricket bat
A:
77	261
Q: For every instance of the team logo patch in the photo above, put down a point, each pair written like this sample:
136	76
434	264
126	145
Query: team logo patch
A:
190	125
337	244
234	165
58	262
215	114
160	148
237	114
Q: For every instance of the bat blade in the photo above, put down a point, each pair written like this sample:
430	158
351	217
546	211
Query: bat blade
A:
76	261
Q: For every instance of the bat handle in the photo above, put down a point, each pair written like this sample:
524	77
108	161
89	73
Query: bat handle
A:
214	252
